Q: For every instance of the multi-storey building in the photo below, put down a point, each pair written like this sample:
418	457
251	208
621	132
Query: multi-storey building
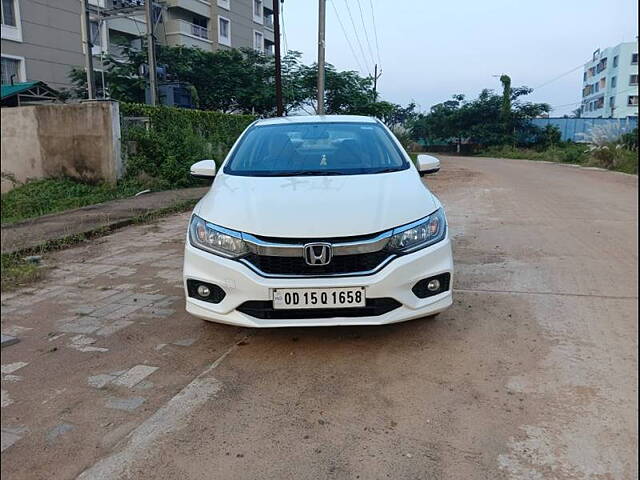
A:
43	39
610	83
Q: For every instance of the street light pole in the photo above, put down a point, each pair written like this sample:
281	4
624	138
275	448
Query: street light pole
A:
276	35
88	51
322	4
151	52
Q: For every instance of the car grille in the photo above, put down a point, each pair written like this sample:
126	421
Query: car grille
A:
342	264
263	309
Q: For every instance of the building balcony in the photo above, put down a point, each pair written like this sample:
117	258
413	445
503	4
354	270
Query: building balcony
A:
181	32
201	7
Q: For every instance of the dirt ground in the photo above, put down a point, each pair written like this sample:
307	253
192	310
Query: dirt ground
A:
532	374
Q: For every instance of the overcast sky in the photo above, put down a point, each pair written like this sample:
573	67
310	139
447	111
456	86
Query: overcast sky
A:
431	49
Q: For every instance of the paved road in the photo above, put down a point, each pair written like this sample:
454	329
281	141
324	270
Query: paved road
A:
532	374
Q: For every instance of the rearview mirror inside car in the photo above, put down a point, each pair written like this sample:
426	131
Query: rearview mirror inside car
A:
203	169
427	164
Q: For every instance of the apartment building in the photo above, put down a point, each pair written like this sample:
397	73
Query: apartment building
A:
610	83
43	39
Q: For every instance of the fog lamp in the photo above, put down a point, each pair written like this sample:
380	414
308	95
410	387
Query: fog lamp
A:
433	285
203	290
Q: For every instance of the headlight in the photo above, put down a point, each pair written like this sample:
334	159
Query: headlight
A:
215	239
419	234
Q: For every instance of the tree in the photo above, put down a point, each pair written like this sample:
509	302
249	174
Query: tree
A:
481	120
505	111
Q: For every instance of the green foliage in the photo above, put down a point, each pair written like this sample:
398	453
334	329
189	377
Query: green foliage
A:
40	197
505	111
630	140
548	136
565	153
176	138
612	156
242	81
15	271
481	121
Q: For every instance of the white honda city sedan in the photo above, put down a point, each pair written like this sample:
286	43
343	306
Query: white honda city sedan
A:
316	221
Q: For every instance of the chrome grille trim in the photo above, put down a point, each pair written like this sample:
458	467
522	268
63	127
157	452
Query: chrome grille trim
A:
328	275
275	249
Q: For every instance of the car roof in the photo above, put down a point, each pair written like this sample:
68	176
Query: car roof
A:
316	119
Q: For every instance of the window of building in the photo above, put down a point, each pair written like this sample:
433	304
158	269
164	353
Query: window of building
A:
634	59
602	65
12	69
268	18
603	82
96	38
11	28
632	101
9	13
257	11
584	77
615	61
258	41
633	79
224	31
224	4
199	27
614	82
97	33
612	102
269	47
600	103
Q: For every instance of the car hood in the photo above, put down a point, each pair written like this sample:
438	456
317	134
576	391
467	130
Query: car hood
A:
316	206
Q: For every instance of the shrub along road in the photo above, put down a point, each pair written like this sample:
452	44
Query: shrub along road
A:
531	374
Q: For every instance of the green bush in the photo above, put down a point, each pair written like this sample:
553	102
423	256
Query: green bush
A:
630	140
40	197
564	153
614	156
175	139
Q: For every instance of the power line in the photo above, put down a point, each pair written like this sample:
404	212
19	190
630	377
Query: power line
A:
375	31
355	30
347	37
558	77
614	94
366	35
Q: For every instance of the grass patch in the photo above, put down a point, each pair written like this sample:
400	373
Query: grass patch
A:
569	153
40	197
15	272
611	157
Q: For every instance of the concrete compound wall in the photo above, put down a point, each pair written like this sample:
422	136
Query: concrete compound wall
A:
74	140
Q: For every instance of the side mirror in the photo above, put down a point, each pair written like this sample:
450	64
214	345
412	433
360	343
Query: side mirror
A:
203	169
427	164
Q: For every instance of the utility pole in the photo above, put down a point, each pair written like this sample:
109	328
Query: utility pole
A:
376	76
151	49
276	37
88	52
322	4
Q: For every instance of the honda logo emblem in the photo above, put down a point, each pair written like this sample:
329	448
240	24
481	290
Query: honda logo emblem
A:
317	254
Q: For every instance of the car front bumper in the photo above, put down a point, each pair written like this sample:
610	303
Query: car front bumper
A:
395	281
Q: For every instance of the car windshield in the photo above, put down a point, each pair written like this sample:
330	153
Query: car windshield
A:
296	149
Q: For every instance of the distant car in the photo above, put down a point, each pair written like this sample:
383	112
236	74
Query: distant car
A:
316	221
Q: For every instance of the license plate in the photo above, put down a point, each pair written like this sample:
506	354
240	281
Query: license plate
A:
288	298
